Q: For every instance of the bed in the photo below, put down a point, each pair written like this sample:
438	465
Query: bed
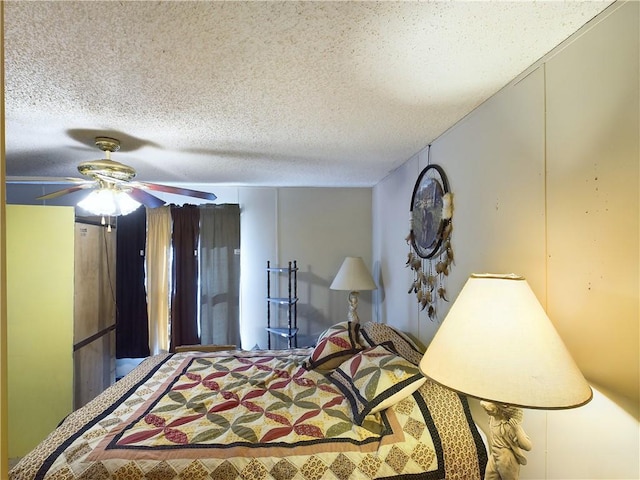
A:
353	406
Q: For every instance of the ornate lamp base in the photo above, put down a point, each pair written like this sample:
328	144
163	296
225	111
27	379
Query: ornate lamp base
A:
508	440
352	316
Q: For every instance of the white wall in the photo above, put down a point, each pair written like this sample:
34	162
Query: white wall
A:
318	227
258	227
592	186
545	177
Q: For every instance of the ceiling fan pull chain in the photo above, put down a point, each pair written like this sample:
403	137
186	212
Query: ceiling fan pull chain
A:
104	222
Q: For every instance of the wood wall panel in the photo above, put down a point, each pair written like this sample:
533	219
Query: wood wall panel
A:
94	311
94	368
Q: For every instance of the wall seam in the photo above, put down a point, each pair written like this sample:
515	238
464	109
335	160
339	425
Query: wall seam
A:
277	229
546	242
4	399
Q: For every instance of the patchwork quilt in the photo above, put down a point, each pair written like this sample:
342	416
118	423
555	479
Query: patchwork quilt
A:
255	415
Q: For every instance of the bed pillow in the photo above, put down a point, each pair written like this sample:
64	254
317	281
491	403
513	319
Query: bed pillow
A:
375	379
372	334
335	345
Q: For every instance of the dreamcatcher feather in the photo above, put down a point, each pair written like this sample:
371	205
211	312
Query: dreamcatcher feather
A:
430	253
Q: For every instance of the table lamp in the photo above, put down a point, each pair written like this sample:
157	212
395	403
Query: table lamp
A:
498	345
354	277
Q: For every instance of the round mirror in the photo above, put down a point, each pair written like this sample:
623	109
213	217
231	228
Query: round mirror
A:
427	222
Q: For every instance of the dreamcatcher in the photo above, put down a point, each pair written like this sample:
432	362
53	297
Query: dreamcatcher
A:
430	253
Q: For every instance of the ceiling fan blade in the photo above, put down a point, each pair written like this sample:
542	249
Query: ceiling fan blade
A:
178	190
44	180
59	193
145	198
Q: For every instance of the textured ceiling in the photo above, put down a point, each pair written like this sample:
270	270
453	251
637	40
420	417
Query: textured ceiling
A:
259	93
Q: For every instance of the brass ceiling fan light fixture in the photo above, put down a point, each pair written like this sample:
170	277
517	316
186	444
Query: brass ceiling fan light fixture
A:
107	167
114	190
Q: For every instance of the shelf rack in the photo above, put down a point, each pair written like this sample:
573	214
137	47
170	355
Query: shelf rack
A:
290	332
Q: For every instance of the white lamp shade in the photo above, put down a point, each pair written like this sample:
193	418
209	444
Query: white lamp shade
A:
497	344
353	276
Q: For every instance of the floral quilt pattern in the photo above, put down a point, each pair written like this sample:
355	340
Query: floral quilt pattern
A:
246	400
253	416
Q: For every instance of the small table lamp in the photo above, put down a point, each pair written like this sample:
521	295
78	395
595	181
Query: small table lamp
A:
497	344
354	277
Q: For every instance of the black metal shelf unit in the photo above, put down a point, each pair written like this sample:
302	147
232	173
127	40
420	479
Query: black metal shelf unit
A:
290	332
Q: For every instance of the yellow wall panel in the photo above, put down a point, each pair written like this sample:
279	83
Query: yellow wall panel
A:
39	321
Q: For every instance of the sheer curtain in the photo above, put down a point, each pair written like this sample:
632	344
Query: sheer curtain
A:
219	274
132	333
158	260
184	286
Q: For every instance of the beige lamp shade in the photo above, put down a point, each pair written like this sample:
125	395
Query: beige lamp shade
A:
497	344
353	276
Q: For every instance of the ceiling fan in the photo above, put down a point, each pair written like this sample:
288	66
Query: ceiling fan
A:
115	191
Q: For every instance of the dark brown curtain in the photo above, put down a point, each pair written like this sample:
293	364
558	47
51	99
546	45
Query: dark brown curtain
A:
184	292
220	274
132	326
